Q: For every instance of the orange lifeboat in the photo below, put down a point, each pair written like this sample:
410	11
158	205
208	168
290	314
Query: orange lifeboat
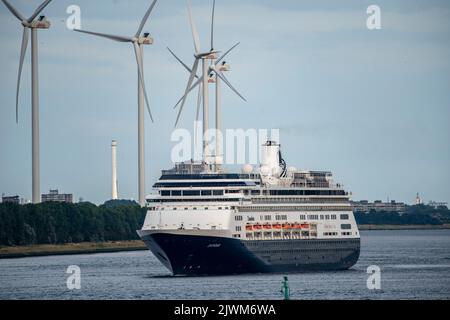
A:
286	226
249	227
267	226
276	226
305	226
257	227
296	226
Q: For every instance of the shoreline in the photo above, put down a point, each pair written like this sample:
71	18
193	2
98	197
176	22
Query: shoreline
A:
70	248
7	252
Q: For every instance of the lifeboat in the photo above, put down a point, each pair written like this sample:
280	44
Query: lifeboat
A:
257	227
286	226
305	226
276	226
267	226
249	227
296	226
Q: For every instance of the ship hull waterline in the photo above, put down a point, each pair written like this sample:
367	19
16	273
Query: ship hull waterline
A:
187	254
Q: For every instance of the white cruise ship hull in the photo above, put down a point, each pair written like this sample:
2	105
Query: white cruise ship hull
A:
192	253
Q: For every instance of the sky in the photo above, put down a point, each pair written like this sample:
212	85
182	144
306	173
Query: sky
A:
372	106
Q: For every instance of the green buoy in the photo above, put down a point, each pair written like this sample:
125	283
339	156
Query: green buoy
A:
285	289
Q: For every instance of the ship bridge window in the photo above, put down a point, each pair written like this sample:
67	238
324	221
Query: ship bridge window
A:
176	192
217	192
191	192
344	216
206	192
165	193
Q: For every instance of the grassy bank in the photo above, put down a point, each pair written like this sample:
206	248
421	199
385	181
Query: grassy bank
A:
70	248
402	227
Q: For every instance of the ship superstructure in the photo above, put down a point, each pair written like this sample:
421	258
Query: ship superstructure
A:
276	219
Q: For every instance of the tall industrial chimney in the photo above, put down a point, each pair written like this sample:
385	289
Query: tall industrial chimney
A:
114	170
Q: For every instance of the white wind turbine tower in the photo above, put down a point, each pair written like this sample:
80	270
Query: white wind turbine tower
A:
213	68
138	41
34	25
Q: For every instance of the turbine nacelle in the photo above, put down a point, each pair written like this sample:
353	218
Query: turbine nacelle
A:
212	55
145	39
41	23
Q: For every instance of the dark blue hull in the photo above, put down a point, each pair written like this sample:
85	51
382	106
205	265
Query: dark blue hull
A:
203	255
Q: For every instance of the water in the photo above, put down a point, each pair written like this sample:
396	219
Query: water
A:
414	265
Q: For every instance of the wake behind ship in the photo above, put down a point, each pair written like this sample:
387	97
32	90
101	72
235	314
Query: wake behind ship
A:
275	219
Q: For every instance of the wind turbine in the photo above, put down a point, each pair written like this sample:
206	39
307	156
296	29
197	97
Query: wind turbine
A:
34	25
137	40
202	81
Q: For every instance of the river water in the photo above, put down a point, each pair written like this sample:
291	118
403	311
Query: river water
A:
414	265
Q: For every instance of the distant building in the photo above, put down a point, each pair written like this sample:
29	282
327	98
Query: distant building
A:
53	195
10	199
437	204
365	206
418	199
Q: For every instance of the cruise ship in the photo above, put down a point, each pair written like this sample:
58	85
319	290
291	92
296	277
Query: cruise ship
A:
266	219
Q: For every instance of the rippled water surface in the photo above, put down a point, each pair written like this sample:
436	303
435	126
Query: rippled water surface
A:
414	265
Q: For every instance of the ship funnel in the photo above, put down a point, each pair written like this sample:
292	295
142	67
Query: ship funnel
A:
270	160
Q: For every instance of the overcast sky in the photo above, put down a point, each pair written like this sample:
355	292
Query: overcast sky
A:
373	107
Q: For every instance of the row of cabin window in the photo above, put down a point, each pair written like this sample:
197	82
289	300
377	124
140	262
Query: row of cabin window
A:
299	192
191	192
302	217
193	208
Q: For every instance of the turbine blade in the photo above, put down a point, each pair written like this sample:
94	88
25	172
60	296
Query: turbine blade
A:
199	101
108	36
197	114
179	60
14	11
227	52
222	76
199	81
144	19
23	50
141	76
38	10
195	36
188	86
212	25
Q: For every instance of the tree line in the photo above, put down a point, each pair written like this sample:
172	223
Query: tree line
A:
414	215
58	223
